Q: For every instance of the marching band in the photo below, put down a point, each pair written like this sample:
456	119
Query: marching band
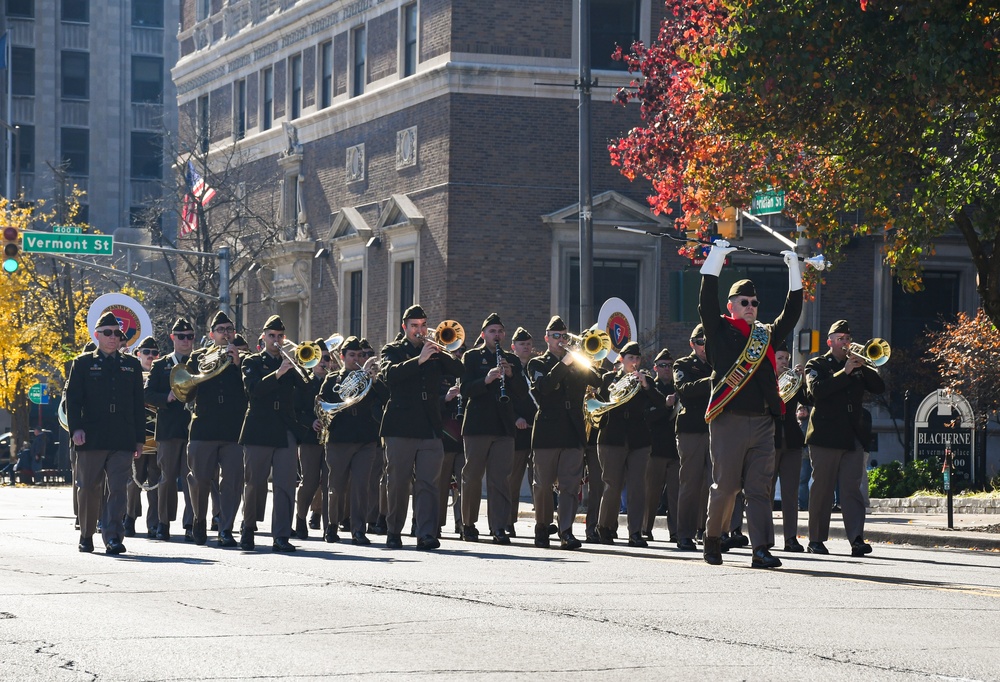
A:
329	420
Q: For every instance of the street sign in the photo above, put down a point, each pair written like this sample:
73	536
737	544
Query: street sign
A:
67	229
77	244
38	394
945	420
766	203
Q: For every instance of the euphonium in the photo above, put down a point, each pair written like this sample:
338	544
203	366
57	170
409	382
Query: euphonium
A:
210	365
619	393
875	352
448	336
789	383
352	390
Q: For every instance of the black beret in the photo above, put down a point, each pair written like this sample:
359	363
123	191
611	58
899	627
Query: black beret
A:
90	347
108	319
219	318
631	348
479	342
744	287
839	327
699	330
493	318
556	324
781	347
322	345
365	344
521	334
148	342
414	312
663	355
238	340
182	325
351	343
275	324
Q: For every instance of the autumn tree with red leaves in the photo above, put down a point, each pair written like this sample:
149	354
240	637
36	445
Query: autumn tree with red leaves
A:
890	111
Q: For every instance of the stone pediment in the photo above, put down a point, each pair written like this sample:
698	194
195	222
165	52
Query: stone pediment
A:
400	210
349	223
611	208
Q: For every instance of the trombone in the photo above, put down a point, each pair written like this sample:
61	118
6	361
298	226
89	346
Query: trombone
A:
874	352
447	336
595	344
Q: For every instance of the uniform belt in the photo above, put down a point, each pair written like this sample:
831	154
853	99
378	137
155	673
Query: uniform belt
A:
111	408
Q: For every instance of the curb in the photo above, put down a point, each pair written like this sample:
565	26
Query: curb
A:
934	505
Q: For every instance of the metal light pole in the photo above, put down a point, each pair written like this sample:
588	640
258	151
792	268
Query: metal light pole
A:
586	215
14	192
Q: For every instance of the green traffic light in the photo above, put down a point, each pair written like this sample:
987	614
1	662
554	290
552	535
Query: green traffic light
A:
10	265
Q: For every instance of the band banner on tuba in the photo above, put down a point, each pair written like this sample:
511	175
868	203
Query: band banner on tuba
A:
617	320
131	316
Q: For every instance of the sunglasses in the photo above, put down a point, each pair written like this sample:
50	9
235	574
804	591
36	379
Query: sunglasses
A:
663	365
184	337
747	302
556	335
149	351
699	342
111	332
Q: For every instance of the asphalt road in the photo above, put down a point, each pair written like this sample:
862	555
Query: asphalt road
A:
174	611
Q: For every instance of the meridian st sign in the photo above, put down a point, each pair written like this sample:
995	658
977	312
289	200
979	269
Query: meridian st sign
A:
68	242
766	203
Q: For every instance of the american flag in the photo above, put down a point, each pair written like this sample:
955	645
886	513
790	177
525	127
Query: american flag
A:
198	192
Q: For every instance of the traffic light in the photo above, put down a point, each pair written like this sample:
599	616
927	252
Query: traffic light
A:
726	225
11	249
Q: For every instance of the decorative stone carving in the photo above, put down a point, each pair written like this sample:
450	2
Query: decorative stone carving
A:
293	146
356	163
406	148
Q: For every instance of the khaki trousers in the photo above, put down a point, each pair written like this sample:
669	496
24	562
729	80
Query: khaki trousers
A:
694	479
350	466
314	477
93	469
494	457
832	466
171	457
146	467
787	467
562	465
281	464
416	461
742	449
595	487
451	465
623	467
518	469
661	476
206	458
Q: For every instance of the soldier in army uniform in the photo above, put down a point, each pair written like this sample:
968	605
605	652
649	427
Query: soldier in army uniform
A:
312	462
662	471
145	472
524	412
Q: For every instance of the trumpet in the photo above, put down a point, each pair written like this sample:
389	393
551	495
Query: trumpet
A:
874	352
594	343
447	336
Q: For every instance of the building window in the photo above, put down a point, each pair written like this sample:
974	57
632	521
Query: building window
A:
204	133
325	74
612	278
357	300
76	150
147	156
147	79
358	42
26	159
76	10
409	40
83	215
405	284
295	86
240	109
267	105
612	23
147	13
202	9
22	69
914	314
21	8
75	75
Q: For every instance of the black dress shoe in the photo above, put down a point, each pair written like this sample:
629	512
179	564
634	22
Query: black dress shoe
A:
359	538
687	545
470	534
763	559
541	537
428	542
636	540
314	521
129	527
199	533
567	541
393	541
301	528
817	548
511	531
163	532
648	534
592	538
672	538
738	539
793	545
553	529
282	545
114	547
345	524
605	535
215	523
86	544
713	551
859	547
226	538
331	535
246	541
500	537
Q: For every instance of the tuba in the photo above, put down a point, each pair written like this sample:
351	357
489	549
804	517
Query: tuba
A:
210	365
352	390
619	393
448	336
789	383
875	352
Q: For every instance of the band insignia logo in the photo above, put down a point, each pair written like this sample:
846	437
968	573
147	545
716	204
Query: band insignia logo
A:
128	320
619	330
132	317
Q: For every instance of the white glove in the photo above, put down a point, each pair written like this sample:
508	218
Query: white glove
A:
717	258
794	271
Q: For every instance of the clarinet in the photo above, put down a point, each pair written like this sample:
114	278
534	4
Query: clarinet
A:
459	407
503	381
